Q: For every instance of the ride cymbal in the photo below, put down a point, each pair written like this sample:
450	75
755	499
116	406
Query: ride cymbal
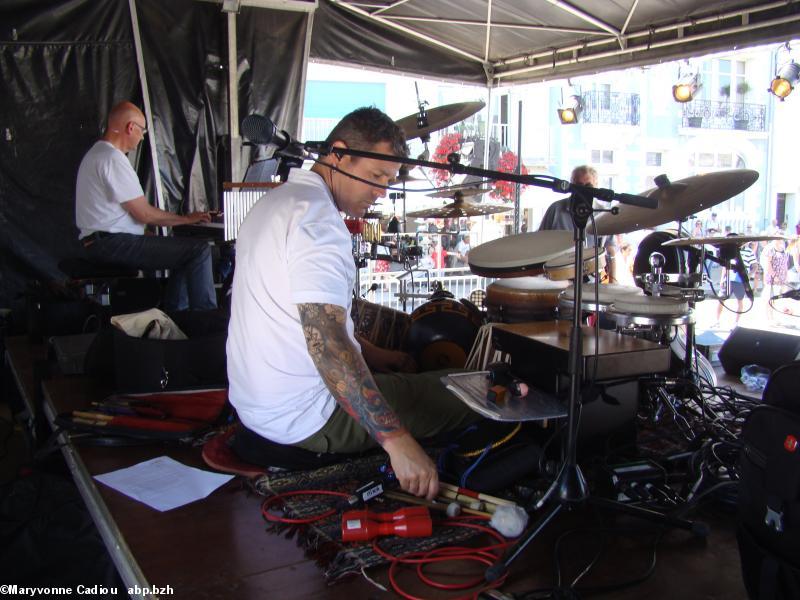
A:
438	118
676	200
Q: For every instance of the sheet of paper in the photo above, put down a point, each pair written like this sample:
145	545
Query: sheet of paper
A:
163	483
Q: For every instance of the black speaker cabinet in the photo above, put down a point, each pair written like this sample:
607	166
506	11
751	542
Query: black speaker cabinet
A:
754	346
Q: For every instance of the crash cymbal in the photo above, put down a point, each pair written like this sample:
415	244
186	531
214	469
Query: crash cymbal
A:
460	191
676	201
463	208
732	240
438	118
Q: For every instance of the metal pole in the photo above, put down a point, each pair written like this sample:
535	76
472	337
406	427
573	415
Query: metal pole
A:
148	114
518	186
233	101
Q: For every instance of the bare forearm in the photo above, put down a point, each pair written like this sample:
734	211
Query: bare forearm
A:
344	371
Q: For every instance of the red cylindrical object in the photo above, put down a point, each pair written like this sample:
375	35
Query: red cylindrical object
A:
357	528
409	512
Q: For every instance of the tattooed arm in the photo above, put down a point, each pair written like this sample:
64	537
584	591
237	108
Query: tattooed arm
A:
349	380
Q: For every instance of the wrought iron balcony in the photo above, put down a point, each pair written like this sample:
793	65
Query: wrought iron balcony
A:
713	114
615	108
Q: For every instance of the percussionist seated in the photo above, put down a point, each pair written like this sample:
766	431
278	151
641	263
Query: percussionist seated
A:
298	375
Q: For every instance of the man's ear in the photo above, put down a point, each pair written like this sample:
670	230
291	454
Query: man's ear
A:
337	155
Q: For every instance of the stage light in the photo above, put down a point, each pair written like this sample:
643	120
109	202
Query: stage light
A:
686	88
570	111
785	80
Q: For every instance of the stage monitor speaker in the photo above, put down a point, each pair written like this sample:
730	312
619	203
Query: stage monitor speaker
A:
754	346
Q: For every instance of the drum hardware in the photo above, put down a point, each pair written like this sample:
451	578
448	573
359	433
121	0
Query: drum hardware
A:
460	191
570	488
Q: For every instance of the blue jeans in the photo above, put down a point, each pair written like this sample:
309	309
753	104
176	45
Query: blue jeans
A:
191	281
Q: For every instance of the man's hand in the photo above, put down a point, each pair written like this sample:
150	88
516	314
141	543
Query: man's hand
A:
381	360
198	217
387	361
414	469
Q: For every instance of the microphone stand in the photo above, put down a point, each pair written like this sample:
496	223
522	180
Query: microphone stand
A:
570	486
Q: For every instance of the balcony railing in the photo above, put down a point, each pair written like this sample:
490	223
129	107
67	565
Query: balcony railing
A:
713	114
615	108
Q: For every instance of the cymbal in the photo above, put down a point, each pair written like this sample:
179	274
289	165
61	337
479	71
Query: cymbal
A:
732	240
459	208
676	201
438	118
404	175
460	191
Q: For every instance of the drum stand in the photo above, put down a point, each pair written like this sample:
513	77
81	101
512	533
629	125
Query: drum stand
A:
570	485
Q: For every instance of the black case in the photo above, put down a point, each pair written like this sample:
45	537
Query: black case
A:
769	492
131	364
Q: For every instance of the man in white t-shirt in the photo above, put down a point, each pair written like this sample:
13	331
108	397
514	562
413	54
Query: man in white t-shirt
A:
297	374
111	213
462	251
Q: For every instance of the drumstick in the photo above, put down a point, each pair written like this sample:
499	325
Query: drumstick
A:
473	494
441	506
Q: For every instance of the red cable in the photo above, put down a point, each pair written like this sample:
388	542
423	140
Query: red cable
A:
486	554
269	502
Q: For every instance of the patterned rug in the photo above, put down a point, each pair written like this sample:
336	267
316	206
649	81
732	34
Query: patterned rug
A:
321	540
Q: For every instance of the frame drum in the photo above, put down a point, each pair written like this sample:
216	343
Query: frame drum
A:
563	267
518	255
522	299
441	334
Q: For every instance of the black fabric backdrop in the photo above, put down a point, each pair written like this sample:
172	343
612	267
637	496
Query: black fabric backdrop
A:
64	63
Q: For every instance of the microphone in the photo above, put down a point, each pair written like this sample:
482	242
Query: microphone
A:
793	294
261	130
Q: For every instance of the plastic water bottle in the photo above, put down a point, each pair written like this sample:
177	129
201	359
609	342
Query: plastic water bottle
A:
754	377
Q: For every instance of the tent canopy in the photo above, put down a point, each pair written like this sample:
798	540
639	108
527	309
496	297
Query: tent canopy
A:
519	41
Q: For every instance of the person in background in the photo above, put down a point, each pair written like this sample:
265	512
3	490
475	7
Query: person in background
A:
712	226
462	251
737	289
111	213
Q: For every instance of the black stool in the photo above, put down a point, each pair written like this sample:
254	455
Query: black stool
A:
118	287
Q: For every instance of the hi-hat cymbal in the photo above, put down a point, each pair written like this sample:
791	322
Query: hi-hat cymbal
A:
438	118
459	208
403	177
733	240
460	191
676	201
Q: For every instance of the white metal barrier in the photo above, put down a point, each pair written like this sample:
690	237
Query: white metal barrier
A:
391	286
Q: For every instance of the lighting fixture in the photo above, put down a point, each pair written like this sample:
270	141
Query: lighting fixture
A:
785	80
686	88
570	111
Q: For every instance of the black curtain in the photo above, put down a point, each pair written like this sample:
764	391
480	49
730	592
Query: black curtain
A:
63	64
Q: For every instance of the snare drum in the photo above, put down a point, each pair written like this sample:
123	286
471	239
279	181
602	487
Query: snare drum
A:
650	311
441	334
608	293
563	266
519	255
523	299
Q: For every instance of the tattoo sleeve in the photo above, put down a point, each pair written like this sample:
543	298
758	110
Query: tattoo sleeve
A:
344	371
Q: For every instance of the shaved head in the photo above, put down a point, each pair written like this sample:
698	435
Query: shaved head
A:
122	114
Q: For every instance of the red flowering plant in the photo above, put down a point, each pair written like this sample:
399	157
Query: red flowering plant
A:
504	190
449	143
